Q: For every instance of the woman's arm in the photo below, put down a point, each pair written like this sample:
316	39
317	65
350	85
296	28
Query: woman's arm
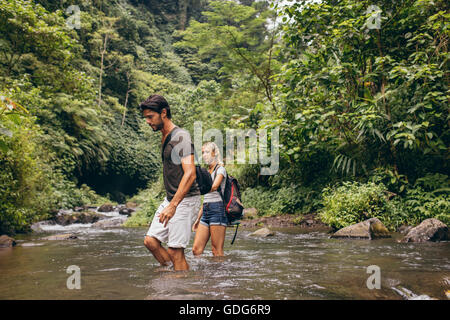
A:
200	213
199	216
217	181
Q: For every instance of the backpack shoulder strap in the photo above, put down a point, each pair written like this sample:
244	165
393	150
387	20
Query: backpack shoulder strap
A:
215	171
215	175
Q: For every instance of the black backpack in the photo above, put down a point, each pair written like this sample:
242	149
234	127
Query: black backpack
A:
203	179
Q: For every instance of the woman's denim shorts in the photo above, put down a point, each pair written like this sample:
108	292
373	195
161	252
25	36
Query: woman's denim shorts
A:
214	214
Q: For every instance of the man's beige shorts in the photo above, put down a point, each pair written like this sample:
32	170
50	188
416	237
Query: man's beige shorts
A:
177	233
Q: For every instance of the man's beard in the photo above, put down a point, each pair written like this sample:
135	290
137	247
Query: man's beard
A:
158	127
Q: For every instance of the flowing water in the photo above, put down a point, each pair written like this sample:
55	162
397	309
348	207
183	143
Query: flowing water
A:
114	264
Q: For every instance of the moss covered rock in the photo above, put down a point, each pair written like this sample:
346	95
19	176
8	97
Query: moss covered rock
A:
369	229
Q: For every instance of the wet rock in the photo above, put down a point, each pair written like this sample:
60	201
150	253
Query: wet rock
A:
378	229
37	226
404	229
409	295
7	242
368	229
66	236
107	207
250	213
126	211
89	207
429	230
110	223
263	232
86	207
131	205
78	217
65	211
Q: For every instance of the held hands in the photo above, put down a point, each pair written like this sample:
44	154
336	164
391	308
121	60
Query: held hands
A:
167	214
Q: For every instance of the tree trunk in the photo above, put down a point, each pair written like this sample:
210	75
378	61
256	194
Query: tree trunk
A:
183	7
126	99
101	70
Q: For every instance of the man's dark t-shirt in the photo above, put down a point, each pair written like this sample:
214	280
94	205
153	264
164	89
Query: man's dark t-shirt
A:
179	146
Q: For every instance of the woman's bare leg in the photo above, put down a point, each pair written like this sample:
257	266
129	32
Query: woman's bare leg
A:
217	240
200	240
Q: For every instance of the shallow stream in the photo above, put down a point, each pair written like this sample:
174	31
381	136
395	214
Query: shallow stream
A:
114	264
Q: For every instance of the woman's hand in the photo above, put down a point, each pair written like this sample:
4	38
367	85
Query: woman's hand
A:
199	216
195	225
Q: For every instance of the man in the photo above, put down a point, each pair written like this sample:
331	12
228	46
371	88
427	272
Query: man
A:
174	218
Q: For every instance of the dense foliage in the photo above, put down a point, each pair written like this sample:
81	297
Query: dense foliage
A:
31	189
354	202
366	101
150	200
370	97
80	87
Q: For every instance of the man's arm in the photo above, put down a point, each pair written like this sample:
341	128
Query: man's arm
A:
189	176
186	182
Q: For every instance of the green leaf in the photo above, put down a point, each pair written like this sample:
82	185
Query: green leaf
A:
3	146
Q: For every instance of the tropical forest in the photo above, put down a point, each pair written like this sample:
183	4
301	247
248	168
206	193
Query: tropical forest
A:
357	91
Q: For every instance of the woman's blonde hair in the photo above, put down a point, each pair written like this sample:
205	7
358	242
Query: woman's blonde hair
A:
211	146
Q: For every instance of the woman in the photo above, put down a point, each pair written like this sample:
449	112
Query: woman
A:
212	220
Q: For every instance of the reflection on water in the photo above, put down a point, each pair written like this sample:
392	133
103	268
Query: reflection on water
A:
291	265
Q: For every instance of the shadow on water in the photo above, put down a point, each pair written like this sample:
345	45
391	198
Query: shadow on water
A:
114	264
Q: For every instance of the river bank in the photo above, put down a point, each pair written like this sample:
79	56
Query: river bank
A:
307	222
109	216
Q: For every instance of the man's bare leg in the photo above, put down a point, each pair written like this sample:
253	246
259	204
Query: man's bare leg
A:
158	251
178	259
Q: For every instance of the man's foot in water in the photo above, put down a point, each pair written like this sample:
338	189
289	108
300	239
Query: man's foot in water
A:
167	268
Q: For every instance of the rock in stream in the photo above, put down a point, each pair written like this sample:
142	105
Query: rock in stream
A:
6	242
368	229
429	230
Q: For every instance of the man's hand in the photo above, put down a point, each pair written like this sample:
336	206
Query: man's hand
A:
167	214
